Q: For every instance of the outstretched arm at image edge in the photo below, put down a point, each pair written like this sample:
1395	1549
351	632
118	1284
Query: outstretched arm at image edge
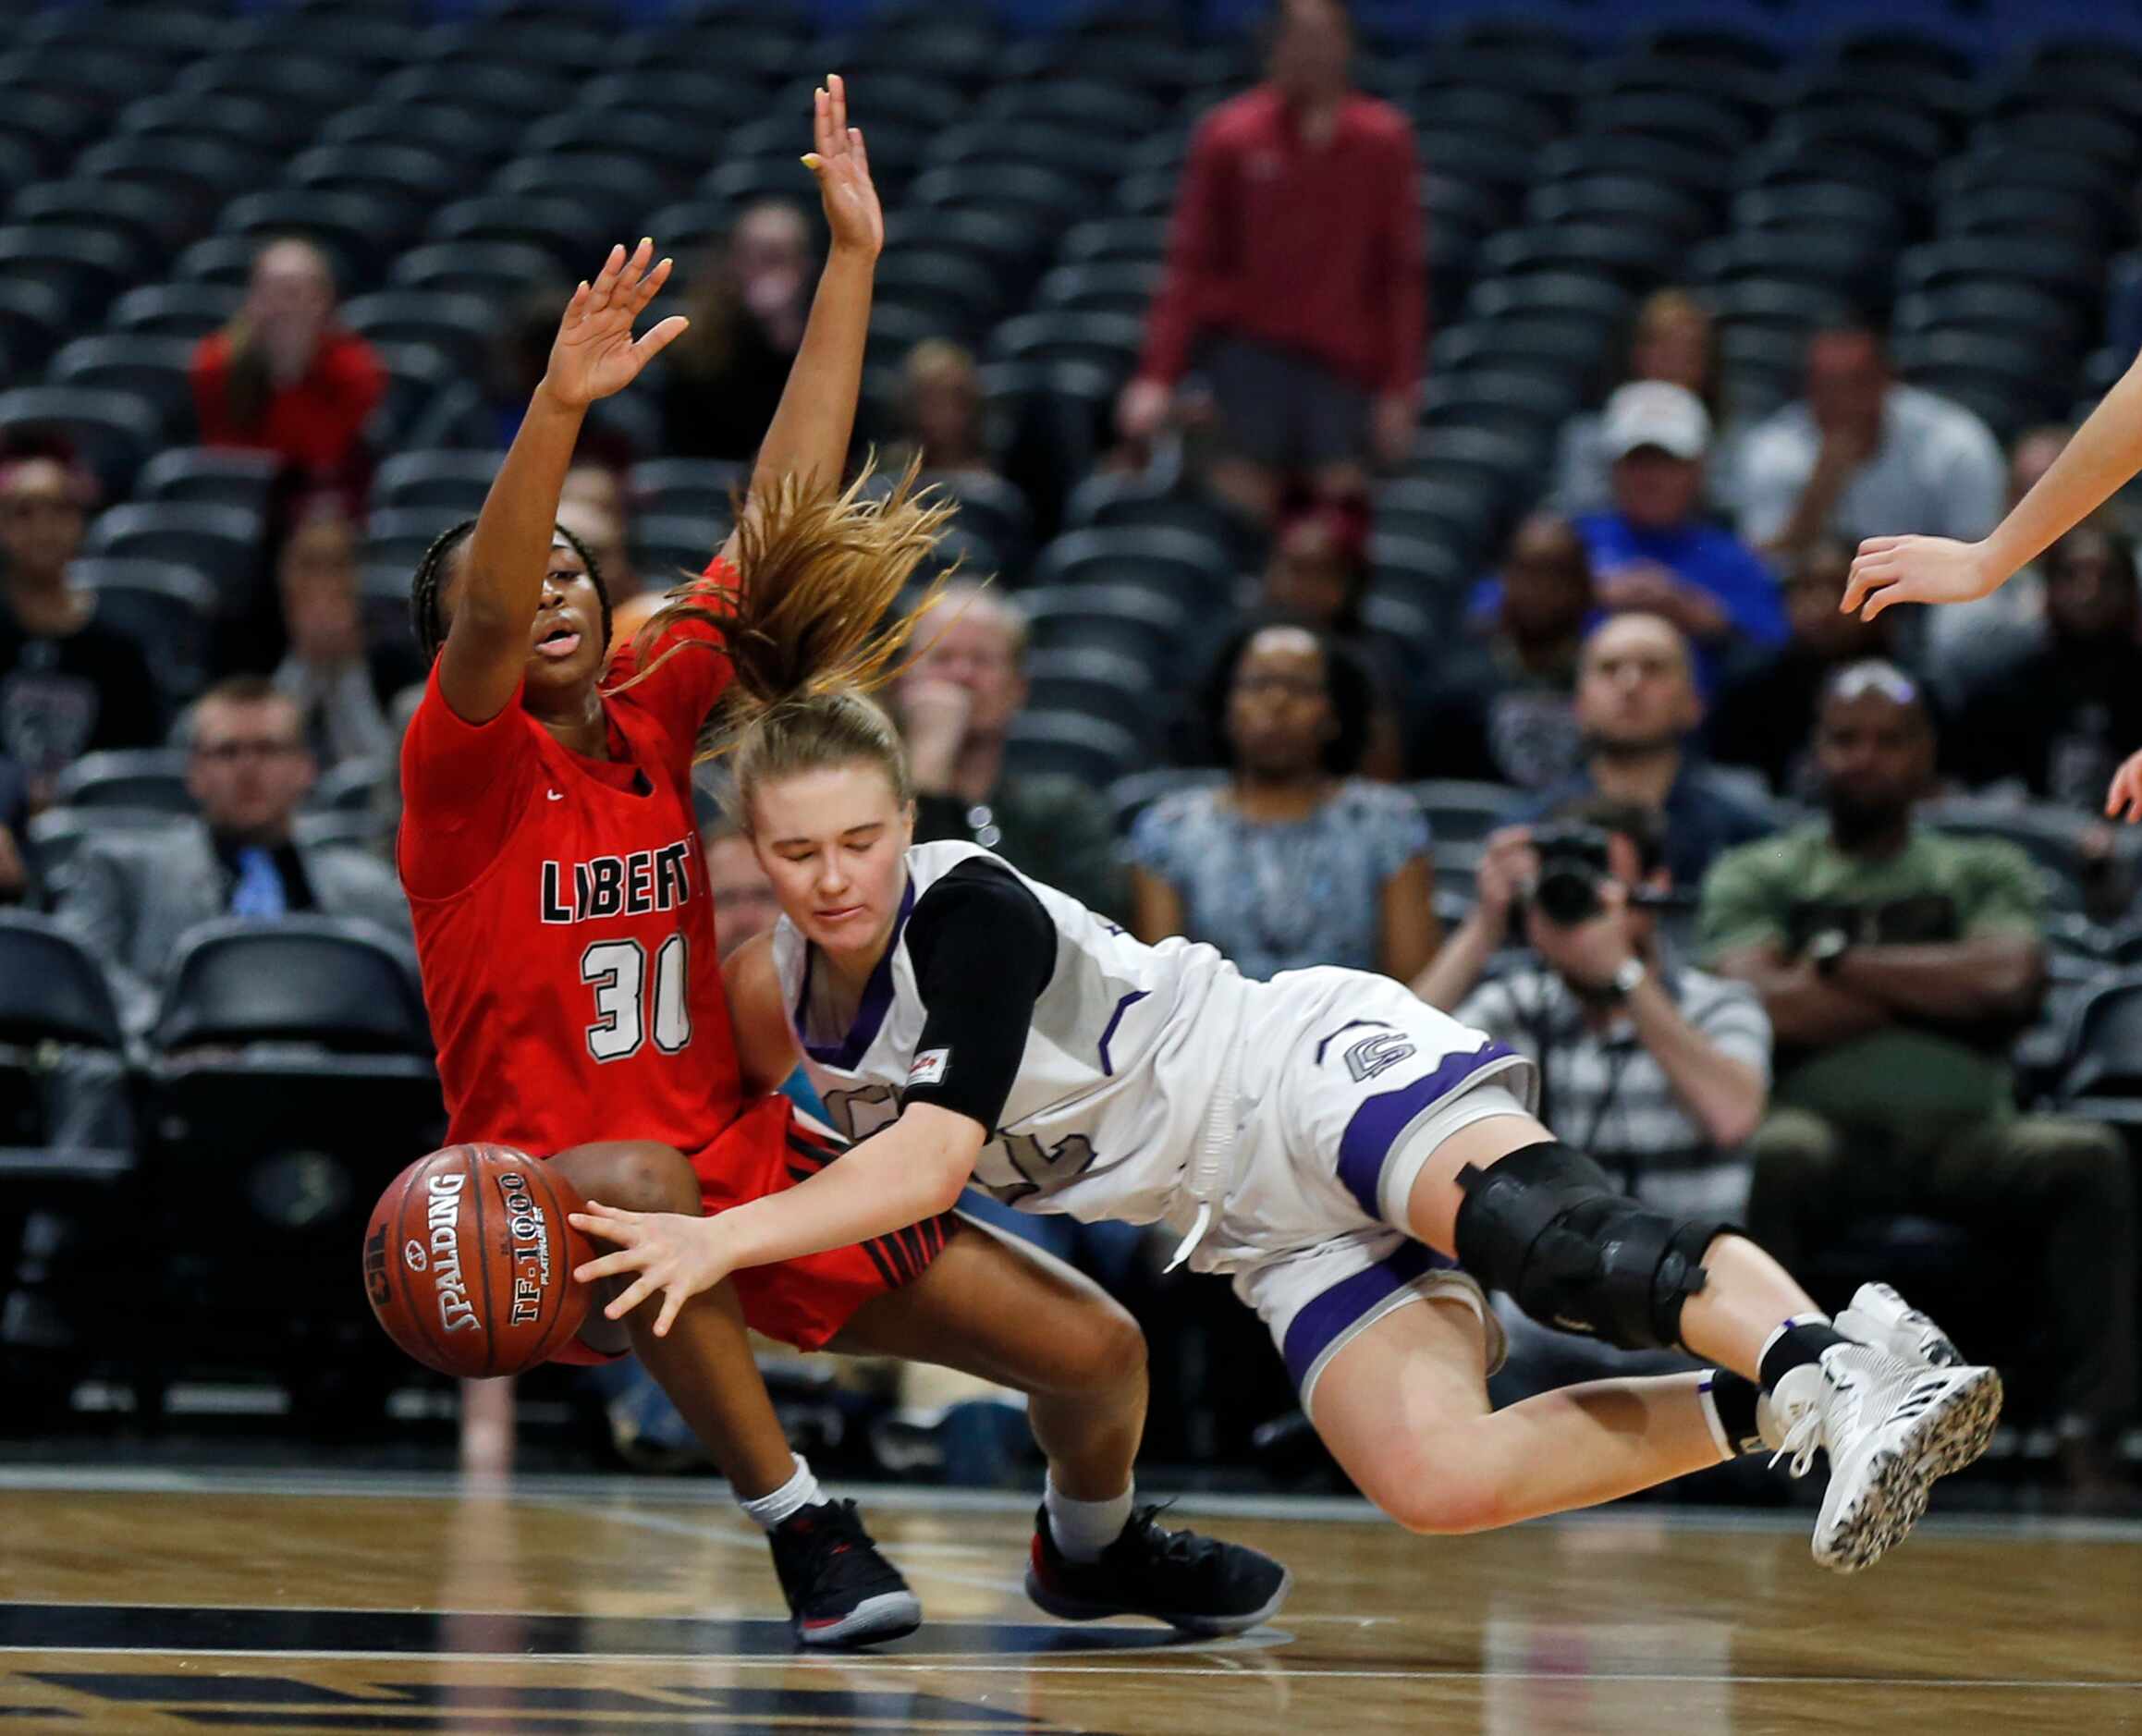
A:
2104	455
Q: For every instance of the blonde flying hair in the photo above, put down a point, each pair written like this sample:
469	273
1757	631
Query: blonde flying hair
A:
809	629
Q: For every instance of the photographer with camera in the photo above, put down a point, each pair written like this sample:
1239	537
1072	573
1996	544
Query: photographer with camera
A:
1657	1070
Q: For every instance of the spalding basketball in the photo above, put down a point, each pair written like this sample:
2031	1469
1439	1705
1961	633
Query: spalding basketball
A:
468	1260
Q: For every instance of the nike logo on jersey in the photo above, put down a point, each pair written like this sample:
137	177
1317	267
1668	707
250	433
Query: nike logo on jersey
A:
638	885
556	795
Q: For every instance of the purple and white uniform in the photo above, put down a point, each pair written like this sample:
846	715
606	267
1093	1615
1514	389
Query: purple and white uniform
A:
1275	1128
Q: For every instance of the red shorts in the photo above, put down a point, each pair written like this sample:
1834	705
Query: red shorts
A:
806	1301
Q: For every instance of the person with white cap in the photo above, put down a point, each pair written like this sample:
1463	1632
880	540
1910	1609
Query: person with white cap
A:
1652	550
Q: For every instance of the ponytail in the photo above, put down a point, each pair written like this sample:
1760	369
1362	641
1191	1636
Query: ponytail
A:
806	631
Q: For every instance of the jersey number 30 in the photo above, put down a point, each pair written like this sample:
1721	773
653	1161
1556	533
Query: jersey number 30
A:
617	969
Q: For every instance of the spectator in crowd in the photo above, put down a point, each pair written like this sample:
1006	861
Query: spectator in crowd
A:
130	896
1896	964
1651	549
1503	710
2061	719
940	410
593	483
1295	282
954	702
283	377
1318	574
341	686
1675	340
1863	455
1637	713
1658	1069
1294	861
744	905
69	684
748	302
1765	720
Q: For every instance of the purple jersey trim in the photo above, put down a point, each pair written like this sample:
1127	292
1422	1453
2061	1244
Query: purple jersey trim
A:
1365	1146
1328	1317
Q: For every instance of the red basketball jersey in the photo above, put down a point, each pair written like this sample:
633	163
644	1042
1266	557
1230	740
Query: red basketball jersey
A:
563	920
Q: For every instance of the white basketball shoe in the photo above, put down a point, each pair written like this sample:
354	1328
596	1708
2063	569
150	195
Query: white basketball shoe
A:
1890	1426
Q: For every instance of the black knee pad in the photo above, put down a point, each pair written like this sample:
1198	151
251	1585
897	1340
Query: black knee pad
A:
1546	1225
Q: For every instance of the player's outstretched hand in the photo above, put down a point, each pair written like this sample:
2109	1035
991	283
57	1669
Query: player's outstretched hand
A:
595	354
678	1256
2123	801
1915	570
842	167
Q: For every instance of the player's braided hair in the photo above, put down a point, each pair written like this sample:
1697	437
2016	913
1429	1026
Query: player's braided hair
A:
809	629
428	622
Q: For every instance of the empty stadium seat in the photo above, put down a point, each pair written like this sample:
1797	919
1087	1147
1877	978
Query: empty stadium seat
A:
152	368
1175	563
1136	622
449	485
32	323
167	609
222	543
1093	750
141	779
176	309
697	488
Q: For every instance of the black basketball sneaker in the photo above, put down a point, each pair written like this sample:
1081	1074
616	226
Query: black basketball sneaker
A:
1196	1584
840	1590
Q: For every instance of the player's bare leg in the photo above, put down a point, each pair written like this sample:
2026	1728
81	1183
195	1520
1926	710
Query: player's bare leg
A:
840	1590
705	1364
1005	1311
1404	1408
1532	1218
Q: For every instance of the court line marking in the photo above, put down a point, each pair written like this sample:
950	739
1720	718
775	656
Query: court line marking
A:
616	1491
924	1666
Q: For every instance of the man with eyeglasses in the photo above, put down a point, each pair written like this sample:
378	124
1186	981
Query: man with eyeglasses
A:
1897	965
131	896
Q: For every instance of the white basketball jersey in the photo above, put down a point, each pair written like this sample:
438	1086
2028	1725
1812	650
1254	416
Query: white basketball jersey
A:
1109	1103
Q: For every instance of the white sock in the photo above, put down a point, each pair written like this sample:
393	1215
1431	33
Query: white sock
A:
799	1492
1083	1529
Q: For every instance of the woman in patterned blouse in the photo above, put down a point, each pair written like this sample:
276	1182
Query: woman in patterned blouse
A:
1293	861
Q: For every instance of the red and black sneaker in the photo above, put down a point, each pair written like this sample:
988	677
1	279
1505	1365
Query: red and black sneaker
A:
1196	1584
840	1590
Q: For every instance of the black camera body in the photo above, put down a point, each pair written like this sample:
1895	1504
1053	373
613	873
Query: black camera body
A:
1573	867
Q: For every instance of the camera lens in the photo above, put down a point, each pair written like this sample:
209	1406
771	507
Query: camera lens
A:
1567	893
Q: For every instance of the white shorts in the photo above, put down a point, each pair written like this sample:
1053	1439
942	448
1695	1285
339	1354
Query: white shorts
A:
1347	1083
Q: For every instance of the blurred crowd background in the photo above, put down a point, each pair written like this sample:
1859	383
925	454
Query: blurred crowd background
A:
1416	451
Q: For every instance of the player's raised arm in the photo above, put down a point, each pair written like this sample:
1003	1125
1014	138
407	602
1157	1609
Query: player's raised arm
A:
2105	453
594	356
808	437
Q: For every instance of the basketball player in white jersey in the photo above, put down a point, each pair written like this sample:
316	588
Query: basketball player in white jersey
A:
2104	457
1359	1162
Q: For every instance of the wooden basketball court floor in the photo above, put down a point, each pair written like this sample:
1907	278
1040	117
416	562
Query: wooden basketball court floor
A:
169	1601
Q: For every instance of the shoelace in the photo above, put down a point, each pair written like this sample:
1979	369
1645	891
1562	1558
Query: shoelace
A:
1800	1442
1184	1546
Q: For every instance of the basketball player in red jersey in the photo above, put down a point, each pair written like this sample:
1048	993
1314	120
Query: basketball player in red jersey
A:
562	916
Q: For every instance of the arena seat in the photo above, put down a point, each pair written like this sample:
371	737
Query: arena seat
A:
222	542
1171	561
1094	751
125	777
168	610
152	368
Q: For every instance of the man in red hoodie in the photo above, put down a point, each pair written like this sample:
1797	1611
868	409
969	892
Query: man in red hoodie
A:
1295	279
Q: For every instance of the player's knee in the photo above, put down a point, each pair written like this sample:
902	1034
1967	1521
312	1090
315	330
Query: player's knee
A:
1098	1348
635	1176
1444	1488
